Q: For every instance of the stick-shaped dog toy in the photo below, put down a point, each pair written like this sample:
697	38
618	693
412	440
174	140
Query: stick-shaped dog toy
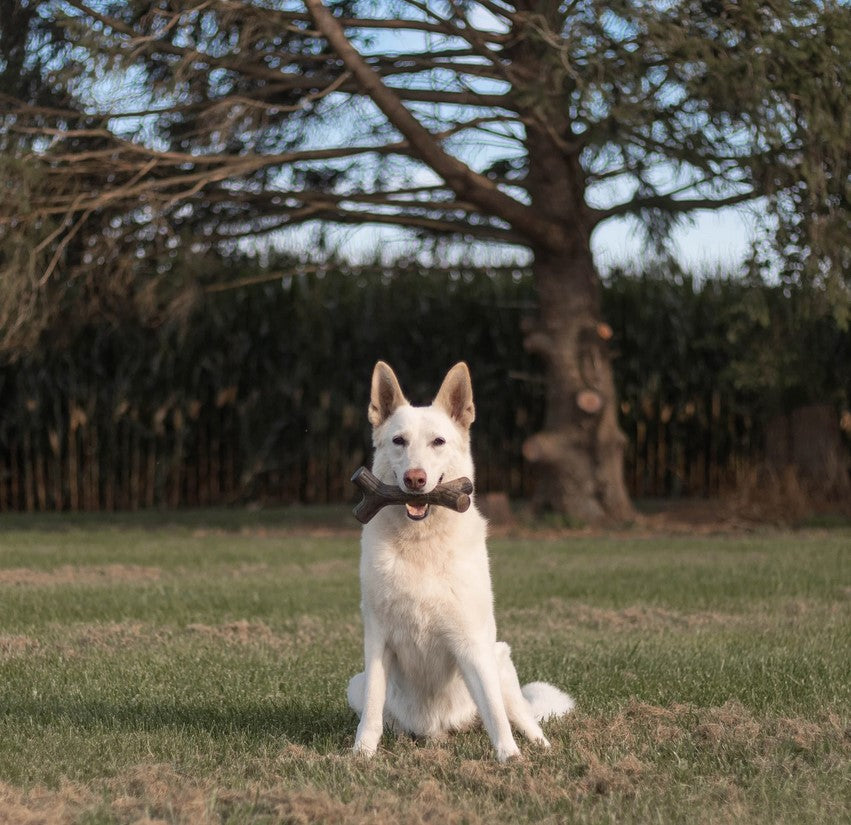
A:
376	494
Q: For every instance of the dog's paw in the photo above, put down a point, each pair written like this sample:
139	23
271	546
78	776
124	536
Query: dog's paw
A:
364	750
542	742
506	752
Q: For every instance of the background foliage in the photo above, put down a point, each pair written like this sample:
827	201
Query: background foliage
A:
260	391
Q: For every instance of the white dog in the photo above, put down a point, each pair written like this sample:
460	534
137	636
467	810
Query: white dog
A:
432	661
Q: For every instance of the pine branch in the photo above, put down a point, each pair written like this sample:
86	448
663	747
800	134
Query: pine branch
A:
329	211
669	204
466	183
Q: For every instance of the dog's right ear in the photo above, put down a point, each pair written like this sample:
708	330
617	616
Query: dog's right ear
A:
456	395
386	394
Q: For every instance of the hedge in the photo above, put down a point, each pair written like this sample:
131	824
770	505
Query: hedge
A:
260	392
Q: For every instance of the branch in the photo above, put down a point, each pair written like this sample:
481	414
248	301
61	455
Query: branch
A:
169	48
109	155
223	286
666	203
439	215
329	211
466	183
468	98
127	157
477	39
500	11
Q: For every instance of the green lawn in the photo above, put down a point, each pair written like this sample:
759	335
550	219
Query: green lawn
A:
196	672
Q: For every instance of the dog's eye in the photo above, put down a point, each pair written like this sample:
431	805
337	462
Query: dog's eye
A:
438	442
399	440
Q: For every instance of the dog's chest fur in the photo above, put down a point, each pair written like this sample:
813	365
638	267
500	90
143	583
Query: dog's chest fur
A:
425	593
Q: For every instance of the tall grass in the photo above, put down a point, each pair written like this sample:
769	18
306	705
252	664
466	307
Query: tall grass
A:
261	393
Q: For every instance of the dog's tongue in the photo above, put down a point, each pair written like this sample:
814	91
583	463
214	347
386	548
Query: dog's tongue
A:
416	511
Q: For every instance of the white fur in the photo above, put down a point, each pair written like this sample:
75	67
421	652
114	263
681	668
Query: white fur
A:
432	660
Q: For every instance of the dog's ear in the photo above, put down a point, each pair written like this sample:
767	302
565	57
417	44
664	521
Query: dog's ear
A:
386	394
455	395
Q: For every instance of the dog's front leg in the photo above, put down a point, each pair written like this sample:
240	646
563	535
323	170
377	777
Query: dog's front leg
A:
481	675
371	723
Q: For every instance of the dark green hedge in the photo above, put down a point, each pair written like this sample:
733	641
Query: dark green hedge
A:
261	392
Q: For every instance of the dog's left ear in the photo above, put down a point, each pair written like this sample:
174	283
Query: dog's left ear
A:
455	395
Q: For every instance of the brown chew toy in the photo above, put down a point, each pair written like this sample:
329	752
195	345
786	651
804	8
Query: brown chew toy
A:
376	494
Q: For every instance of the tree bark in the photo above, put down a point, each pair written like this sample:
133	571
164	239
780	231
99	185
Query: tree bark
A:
579	454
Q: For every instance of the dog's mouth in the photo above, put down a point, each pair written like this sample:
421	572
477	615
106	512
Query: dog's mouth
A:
417	512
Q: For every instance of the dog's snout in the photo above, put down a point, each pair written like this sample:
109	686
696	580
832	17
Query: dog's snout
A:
415	479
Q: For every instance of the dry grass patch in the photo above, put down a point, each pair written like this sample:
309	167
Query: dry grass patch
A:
109	574
17	645
42	806
86	640
157	794
617	765
305	630
560	614
313	569
69	574
239	632
641	732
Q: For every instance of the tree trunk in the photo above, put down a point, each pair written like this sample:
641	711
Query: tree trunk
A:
579	454
578	457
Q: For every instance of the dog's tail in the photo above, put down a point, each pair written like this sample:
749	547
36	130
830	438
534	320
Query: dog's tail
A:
547	701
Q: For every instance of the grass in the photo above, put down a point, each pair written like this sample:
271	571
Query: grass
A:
194	671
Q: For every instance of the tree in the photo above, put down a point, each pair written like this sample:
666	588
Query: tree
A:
29	43
524	123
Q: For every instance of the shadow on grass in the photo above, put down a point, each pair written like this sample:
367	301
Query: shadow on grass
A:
329	725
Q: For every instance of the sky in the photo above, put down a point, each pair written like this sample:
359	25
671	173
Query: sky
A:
712	240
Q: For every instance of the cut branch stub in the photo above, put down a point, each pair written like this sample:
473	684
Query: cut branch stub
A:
604	331
589	401
376	494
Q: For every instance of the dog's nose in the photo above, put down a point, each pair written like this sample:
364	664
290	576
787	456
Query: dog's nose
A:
415	479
